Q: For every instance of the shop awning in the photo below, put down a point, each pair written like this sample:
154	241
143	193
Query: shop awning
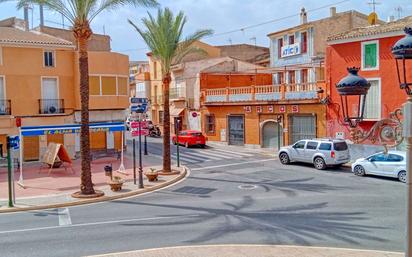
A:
176	111
71	128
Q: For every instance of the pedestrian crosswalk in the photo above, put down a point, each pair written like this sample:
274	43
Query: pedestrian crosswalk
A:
203	155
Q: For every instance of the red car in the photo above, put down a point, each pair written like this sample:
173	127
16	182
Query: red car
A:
190	137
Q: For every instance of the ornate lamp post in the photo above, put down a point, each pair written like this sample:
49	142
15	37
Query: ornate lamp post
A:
402	50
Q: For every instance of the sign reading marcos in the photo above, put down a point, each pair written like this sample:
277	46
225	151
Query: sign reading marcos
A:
290	50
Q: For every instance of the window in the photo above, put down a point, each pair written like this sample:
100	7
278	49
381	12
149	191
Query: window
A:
291	77
108	85
394	158
280	77
304	42
370	55
210	124
311	145
280	44
94	85
161	117
378	157
304	76
325	146
48	58
373	100
121	86
340	146
291	39
299	145
155	70
182	133
2	95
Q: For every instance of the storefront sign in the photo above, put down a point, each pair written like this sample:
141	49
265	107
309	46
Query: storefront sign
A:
290	50
248	109
71	129
340	135
295	108
258	109
270	108
282	109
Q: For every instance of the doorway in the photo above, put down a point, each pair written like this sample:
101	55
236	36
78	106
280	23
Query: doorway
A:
272	135
236	130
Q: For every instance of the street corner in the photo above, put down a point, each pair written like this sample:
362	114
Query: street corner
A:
130	187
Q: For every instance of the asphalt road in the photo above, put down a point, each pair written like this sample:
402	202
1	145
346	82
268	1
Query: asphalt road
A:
231	196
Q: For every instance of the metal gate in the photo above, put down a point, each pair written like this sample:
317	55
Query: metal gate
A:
236	130
272	135
302	127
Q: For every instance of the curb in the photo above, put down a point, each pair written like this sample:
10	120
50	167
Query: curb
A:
100	199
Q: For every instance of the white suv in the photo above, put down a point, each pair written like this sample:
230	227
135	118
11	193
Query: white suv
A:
320	152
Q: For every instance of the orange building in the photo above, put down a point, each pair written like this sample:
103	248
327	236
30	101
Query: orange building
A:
39	89
368	48
247	109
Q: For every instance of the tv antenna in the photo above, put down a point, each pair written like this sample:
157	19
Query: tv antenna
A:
399	11
374	3
230	41
253	39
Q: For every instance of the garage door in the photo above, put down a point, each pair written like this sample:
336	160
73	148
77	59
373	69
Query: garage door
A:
302	127
98	140
117	140
31	145
57	138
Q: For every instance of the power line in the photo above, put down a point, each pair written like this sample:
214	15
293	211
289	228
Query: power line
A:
242	29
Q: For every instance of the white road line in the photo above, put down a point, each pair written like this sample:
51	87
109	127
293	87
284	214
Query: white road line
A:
64	217
231	152
203	156
99	223
219	155
231	164
189	158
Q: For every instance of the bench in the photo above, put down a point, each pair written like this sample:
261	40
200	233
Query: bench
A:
97	154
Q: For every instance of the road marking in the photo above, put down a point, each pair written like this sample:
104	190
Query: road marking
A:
64	217
231	164
100	223
233	153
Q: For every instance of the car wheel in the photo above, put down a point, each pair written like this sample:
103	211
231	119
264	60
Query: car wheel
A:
187	144
203	146
319	163
359	170
284	158
402	176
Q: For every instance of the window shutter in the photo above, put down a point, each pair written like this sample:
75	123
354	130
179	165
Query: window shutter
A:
370	55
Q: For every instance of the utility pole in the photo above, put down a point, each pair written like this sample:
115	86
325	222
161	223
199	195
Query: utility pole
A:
140	152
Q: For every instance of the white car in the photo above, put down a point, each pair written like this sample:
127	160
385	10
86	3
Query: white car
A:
392	164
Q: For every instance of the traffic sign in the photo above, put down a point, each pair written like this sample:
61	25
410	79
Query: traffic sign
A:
137	132
143	124
138	104
14	142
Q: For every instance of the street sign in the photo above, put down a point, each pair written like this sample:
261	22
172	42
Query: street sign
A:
138	104
14	142
137	132
295	108
135	124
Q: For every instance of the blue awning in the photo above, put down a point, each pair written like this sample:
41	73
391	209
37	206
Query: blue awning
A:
71	128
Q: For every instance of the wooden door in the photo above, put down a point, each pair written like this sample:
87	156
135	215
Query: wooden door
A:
56	138
117	140
31	148
98	140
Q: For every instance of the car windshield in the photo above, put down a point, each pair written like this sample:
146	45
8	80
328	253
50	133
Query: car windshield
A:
340	146
197	134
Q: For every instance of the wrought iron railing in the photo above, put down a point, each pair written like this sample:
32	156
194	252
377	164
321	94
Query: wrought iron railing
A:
51	106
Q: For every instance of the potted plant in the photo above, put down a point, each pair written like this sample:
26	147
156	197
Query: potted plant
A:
152	174
116	183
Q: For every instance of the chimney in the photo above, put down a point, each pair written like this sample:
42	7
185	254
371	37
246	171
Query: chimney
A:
26	17
332	11
303	16
41	15
391	18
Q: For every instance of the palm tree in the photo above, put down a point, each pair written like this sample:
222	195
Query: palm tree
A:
164	37
80	13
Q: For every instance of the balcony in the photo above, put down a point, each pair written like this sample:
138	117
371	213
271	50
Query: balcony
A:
264	93
51	106
177	93
5	107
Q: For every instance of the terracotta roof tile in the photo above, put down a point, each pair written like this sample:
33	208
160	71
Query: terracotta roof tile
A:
10	35
394	26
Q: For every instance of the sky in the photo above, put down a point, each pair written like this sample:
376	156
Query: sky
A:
233	21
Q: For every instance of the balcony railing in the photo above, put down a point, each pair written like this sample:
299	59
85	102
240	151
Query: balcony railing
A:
5	107
177	93
51	106
281	92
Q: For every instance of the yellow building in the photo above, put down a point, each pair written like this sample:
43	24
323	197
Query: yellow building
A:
39	89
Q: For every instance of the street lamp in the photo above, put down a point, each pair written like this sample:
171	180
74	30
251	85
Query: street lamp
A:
352	90
402	51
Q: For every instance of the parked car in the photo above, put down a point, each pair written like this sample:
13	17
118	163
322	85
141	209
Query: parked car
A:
190	137
320	152
392	164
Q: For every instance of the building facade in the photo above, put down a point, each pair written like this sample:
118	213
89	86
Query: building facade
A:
139	79
368	48
40	93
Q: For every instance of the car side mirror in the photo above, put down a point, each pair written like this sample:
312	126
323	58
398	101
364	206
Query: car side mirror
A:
371	159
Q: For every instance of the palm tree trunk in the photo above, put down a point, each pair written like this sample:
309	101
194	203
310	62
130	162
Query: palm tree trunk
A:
86	186
166	124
